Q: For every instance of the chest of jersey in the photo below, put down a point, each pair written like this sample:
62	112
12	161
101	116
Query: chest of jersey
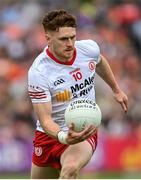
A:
73	81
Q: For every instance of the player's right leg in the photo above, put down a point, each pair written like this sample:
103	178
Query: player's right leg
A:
43	172
46	156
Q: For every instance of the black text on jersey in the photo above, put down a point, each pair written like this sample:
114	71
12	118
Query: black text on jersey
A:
59	81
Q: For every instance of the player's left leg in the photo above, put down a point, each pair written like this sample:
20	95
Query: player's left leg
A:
74	158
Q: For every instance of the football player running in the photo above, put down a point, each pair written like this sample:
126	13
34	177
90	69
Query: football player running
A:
63	71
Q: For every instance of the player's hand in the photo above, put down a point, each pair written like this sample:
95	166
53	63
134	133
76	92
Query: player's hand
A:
122	98
74	137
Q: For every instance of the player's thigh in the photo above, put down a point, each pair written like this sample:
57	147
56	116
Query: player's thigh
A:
43	172
79	153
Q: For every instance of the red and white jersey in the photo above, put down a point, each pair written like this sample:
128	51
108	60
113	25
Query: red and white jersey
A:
59	82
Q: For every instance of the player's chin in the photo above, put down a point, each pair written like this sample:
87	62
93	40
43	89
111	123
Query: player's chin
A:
68	54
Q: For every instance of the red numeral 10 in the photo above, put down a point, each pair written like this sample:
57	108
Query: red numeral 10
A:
77	76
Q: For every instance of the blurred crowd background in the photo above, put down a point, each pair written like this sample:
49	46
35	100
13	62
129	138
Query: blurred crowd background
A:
114	24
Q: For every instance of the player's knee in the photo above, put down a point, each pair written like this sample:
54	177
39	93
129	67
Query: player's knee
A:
70	170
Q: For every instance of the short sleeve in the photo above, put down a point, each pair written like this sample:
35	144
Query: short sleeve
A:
90	48
94	50
38	88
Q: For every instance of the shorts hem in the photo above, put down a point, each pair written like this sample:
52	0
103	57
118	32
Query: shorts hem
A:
46	165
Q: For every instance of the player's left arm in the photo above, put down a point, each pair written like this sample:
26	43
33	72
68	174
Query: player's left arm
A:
104	70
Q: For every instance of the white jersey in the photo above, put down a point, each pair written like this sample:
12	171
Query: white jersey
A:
59	82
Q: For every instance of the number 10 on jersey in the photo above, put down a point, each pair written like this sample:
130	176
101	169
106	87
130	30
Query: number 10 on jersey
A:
77	76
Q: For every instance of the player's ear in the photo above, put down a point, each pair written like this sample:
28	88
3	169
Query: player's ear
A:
48	37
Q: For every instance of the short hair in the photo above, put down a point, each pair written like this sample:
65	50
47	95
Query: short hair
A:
58	18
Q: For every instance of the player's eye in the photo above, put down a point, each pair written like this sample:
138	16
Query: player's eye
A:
63	39
72	37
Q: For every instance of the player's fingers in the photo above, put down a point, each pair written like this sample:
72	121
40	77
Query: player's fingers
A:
71	129
88	129
90	133
124	106
71	126
81	136
126	102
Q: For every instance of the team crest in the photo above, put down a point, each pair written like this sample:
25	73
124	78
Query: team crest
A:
38	151
91	65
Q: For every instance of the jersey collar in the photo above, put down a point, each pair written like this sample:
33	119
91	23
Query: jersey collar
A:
58	61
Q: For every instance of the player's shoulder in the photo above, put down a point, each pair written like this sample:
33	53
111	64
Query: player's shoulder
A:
39	63
87	44
88	47
36	71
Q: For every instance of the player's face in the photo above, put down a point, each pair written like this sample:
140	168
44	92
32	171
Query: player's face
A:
61	43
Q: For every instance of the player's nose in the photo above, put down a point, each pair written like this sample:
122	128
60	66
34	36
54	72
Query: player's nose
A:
69	42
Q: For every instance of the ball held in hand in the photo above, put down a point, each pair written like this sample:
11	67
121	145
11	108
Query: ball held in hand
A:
83	112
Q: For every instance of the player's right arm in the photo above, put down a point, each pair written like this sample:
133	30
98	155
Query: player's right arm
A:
40	96
43	111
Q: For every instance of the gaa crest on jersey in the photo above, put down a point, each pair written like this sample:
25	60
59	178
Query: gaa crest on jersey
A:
38	151
91	65
59	81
